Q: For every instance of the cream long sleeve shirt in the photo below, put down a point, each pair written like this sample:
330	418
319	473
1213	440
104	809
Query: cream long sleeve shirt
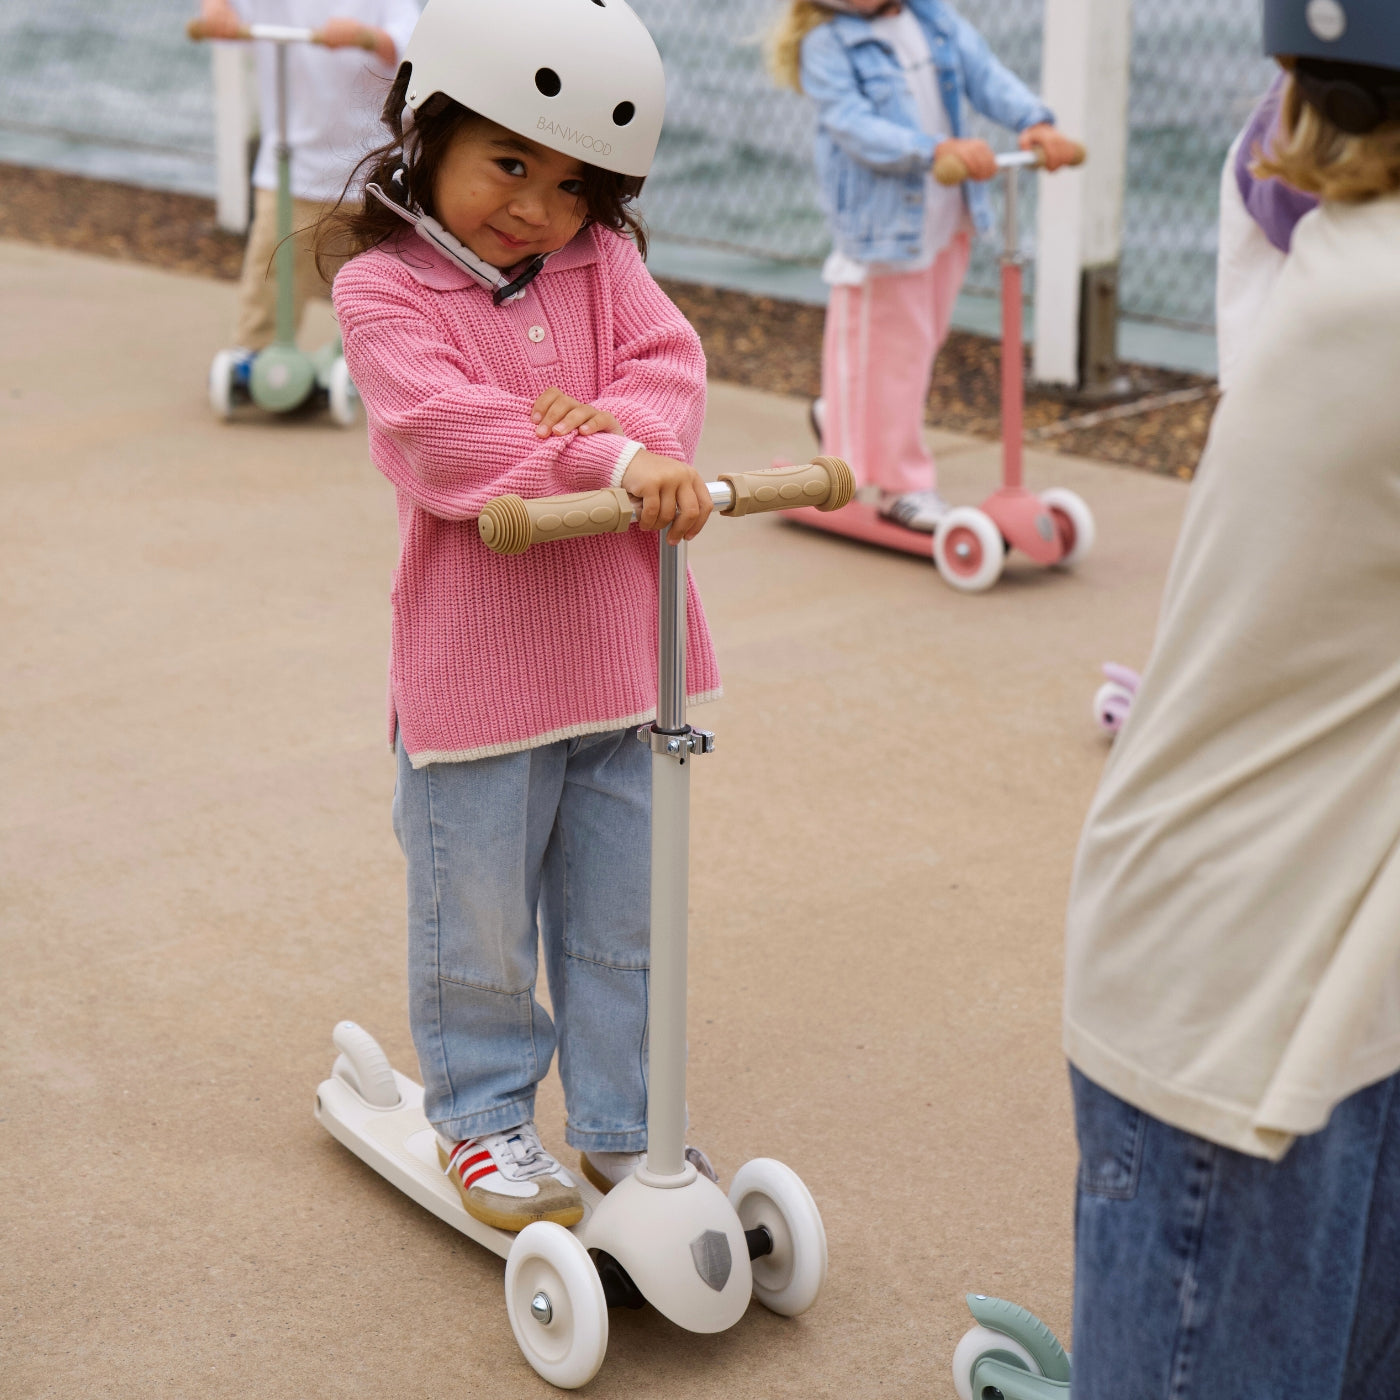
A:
1233	942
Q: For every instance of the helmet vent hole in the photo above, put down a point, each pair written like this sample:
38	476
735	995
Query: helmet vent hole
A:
623	113
547	80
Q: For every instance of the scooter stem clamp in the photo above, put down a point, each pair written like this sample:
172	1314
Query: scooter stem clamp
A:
690	741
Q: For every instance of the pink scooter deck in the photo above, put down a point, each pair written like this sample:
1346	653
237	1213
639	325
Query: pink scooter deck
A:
864	523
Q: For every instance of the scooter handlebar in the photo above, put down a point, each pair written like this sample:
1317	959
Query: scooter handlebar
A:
950	169
511	524
199	31
824	482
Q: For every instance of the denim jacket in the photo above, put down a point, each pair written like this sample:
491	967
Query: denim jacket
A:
872	156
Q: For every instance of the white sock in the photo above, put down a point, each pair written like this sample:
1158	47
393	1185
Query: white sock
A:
615	1166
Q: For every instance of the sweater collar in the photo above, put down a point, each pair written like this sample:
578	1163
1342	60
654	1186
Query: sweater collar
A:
439	274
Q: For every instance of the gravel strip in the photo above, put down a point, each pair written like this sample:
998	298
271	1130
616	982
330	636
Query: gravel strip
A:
1160	424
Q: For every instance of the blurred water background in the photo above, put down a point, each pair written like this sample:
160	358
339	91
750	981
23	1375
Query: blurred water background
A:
112	88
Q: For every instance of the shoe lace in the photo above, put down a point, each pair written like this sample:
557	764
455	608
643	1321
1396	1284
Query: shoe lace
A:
521	1155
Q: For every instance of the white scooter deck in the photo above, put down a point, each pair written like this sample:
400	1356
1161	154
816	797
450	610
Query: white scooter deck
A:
401	1146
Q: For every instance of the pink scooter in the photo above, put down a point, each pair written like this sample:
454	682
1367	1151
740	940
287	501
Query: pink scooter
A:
1051	527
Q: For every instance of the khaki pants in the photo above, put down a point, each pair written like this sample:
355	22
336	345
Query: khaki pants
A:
257	288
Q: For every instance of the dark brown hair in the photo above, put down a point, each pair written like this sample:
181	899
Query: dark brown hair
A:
351	228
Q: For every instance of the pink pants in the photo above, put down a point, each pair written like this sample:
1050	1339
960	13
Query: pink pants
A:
877	360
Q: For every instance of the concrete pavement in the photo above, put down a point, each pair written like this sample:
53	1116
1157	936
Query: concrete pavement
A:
199	879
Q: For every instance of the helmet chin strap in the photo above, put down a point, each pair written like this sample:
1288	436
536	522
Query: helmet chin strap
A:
501	287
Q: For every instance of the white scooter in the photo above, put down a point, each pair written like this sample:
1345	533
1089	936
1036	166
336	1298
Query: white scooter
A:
666	1235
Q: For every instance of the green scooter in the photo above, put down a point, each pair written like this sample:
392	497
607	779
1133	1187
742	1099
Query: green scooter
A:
281	378
1010	1355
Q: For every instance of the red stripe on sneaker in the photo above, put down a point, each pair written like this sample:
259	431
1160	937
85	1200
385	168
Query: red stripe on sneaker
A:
468	1181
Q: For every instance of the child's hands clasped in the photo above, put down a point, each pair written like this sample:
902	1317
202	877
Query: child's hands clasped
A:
670	492
555	412
1056	149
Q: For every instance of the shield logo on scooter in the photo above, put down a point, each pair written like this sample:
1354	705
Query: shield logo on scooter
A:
713	1260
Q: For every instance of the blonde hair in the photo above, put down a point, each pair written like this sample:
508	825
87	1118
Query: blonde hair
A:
1314	156
783	46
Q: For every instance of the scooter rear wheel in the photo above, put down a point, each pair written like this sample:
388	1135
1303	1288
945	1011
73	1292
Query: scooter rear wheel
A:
344	398
1111	705
556	1305
221	384
968	550
977	1342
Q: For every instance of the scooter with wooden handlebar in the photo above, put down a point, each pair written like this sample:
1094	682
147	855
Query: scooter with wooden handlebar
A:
281	377
666	1235
970	545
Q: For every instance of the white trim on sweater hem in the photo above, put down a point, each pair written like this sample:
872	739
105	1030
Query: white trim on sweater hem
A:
537	741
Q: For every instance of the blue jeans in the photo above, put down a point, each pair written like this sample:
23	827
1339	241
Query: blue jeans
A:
1201	1272
552	846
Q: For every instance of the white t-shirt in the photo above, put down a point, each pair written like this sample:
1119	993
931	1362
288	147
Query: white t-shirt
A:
1233	951
1246	268
944	210
334	96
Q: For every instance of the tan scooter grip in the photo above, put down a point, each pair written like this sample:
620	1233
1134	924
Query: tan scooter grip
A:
511	524
198	30
950	170
824	482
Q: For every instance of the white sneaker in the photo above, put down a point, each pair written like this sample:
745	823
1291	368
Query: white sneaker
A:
605	1169
508	1180
915	510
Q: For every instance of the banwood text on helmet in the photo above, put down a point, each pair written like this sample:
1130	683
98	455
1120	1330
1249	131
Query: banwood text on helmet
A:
1348	54
580	76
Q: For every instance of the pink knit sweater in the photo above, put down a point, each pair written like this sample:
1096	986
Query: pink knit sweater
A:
492	654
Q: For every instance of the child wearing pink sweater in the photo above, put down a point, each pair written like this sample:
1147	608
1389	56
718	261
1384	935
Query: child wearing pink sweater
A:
505	336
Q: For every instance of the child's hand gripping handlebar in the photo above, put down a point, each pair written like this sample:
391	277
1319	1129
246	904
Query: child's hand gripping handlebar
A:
510	524
950	170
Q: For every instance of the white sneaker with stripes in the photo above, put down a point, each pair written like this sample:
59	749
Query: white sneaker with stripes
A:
915	510
508	1180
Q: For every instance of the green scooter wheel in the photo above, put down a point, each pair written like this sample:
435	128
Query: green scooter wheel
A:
282	378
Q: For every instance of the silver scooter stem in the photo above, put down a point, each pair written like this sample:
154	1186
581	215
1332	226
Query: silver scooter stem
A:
670	876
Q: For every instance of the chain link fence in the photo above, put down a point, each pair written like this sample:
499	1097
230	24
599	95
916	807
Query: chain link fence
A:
735	166
112	88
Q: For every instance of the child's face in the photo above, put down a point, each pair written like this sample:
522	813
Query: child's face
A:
505	197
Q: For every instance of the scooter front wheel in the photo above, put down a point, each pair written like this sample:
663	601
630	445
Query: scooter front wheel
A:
556	1305
978	1342
1073	519
968	550
767	1195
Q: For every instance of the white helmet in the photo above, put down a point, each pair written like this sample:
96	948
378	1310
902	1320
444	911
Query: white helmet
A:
580	76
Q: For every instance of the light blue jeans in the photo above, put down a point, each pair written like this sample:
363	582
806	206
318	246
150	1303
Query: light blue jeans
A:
1205	1274
552	846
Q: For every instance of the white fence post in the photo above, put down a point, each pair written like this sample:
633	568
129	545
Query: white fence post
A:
1084	78
235	114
